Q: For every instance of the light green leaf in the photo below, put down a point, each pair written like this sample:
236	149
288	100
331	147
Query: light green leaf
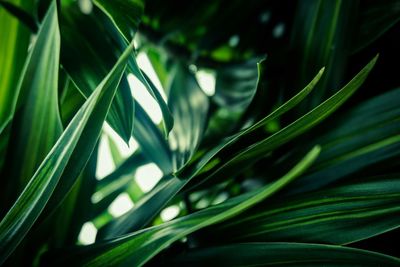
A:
36	124
14	42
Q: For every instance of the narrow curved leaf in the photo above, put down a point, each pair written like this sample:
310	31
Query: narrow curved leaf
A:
307	121
341	215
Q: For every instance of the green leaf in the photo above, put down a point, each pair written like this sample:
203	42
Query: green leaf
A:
36	125
124	14
280	254
77	142
261	148
236	84
70	100
94	63
14	42
152	142
320	35
159	197
139	247
168	120
144	211
340	215
189	106
363	136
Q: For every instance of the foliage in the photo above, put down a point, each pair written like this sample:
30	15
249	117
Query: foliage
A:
290	159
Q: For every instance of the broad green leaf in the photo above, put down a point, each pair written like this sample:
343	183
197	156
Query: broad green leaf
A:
236	85
14	42
376	18
77	142
340	215
155	201
96	56
307	121
168	120
235	90
151	140
139	247
189	106
280	254
124	14
36	124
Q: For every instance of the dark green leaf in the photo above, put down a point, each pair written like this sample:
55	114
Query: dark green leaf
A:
376	17
96	56
281	254
189	106
124	13
341	215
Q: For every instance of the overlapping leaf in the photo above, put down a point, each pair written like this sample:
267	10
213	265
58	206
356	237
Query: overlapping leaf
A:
341	215
36	123
156	200
137	248
96	57
77	142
